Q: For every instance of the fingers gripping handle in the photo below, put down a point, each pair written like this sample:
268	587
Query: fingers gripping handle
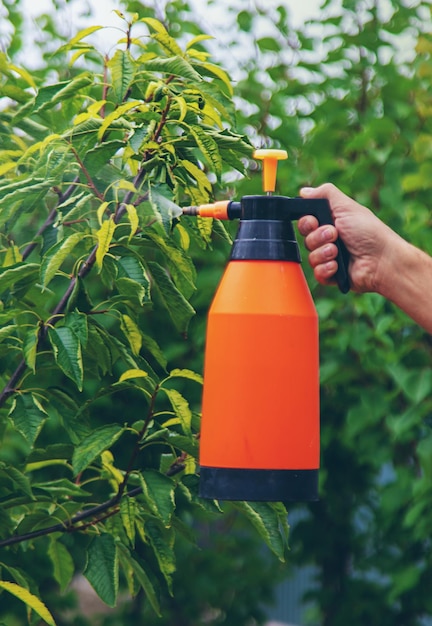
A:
320	209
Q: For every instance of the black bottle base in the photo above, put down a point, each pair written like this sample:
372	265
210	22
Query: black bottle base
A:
258	485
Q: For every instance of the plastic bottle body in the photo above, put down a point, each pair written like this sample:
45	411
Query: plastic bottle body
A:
260	423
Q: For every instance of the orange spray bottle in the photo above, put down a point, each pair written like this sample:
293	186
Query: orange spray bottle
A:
260	412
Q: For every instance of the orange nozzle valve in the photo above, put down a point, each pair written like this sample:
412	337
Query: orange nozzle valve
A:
222	210
270	157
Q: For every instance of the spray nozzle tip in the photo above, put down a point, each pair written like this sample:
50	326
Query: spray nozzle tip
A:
190	210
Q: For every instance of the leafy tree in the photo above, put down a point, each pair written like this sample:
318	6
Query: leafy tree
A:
99	430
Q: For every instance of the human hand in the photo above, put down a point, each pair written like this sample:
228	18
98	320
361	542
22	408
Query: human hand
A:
366	238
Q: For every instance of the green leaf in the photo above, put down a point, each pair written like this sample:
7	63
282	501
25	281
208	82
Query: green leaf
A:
99	156
62	562
51	95
208	147
141	576
198	174
28	416
29	599
181	408
122	70
67	353
131	267
266	521
94	444
54	257
158	491
217	71
20	483
176	66
13	274
176	304
162	541
30	345
102	568
78	324
128	512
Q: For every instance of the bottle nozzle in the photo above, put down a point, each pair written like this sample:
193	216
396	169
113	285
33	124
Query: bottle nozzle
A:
222	210
270	159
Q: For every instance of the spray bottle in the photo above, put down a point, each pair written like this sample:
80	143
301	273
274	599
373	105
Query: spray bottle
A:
260	411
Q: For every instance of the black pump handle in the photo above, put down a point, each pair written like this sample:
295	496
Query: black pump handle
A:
320	208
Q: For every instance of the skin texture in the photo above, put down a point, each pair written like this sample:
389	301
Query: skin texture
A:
381	261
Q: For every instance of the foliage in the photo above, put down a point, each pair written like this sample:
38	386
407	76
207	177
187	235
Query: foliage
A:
99	430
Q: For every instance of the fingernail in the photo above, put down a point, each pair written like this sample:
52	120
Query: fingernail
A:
326	234
306	191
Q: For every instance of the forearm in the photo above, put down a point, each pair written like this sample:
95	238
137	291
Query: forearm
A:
407	282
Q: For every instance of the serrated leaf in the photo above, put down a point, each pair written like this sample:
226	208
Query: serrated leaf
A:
158	490
185	373
175	65
198	175
132	373
208	147
141	577
54	257
131	267
11	275
85	32
104	237
29	599
181	408
162	36
115	115
197	39
51	95
30	344
265	519
219	73
162	541
20	481
102	568
94	444
133	219
128	511
67	353
132	333
122	70
99	156
78	324
12	256
176	304
180	265
28	416
63	565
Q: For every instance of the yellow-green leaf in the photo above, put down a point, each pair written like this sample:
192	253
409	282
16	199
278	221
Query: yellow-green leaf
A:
132	373
101	211
104	238
198	175
82	34
119	111
197	39
29	599
133	219
132	333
